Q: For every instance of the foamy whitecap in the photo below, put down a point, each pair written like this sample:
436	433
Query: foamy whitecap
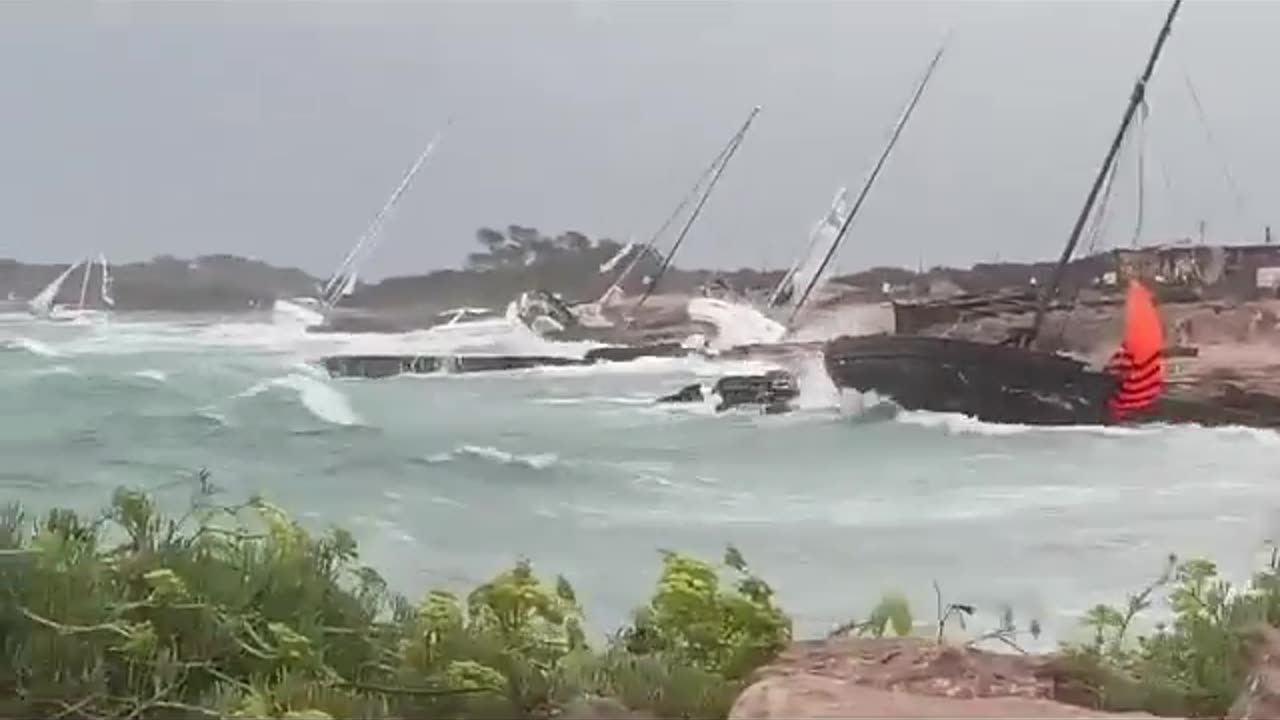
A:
156	375
55	370
957	424
535	461
33	346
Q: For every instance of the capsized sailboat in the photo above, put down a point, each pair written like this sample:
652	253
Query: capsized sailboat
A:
1016	382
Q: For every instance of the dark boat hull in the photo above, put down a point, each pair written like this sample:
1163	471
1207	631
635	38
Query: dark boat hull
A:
993	383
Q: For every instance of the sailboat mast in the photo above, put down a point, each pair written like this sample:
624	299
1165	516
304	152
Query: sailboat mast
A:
1135	101
84	284
728	154
866	186
642	252
332	289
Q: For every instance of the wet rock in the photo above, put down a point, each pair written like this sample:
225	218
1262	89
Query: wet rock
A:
903	677
773	391
688	393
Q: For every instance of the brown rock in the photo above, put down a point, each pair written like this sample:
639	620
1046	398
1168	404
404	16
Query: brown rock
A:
1260	699
903	677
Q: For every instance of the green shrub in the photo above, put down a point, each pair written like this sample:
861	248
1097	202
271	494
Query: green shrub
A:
1193	666
238	611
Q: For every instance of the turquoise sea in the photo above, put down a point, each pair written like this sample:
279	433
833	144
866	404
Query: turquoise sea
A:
446	479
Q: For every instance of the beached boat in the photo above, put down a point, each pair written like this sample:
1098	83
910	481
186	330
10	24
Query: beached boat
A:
1018	381
740	323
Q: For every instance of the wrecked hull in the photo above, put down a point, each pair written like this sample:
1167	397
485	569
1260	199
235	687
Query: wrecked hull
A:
383	366
993	383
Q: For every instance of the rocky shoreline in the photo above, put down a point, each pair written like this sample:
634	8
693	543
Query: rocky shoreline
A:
1233	377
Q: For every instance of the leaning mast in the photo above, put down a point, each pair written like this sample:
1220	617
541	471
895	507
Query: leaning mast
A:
866	187
726	155
1136	99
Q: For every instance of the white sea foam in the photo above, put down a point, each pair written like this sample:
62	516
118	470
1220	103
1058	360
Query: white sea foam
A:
319	398
535	461
33	346
156	375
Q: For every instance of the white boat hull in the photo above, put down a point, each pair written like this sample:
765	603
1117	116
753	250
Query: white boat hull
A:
297	311
66	314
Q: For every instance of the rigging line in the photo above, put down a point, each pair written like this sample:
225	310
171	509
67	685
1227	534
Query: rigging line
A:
870	180
332	292
1098	224
1209	137
1101	217
648	247
730	150
1143	137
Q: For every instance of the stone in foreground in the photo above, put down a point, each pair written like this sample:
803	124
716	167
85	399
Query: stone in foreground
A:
904	678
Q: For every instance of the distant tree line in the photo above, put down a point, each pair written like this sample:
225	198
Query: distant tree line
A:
522	258
503	263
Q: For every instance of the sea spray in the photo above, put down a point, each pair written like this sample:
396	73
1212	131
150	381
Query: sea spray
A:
735	323
817	391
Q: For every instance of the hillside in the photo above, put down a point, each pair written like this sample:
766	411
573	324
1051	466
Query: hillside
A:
504	263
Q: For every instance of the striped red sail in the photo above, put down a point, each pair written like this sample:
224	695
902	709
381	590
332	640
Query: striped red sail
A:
1139	363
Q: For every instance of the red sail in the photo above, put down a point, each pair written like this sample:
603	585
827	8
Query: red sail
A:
1139	363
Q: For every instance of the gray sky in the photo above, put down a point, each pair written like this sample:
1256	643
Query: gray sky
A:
277	129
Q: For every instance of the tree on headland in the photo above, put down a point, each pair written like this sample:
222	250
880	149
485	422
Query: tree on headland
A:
523	247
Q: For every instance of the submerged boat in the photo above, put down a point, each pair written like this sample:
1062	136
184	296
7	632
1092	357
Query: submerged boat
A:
1018	381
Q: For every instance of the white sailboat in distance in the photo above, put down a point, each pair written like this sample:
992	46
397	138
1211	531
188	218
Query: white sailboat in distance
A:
44	304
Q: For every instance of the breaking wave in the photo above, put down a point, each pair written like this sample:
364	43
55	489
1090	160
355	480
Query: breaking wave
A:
55	370
156	375
957	424
319	398
33	346
534	461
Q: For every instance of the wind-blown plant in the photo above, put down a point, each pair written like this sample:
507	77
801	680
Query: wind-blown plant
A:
1193	666
238	611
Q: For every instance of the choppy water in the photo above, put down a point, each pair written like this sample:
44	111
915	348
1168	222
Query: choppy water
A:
447	479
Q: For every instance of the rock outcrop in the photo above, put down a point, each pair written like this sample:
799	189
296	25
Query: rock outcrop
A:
904	677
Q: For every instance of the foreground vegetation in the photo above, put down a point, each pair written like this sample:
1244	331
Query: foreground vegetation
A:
238	611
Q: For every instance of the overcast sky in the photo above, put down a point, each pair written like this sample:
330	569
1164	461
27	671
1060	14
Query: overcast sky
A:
277	129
